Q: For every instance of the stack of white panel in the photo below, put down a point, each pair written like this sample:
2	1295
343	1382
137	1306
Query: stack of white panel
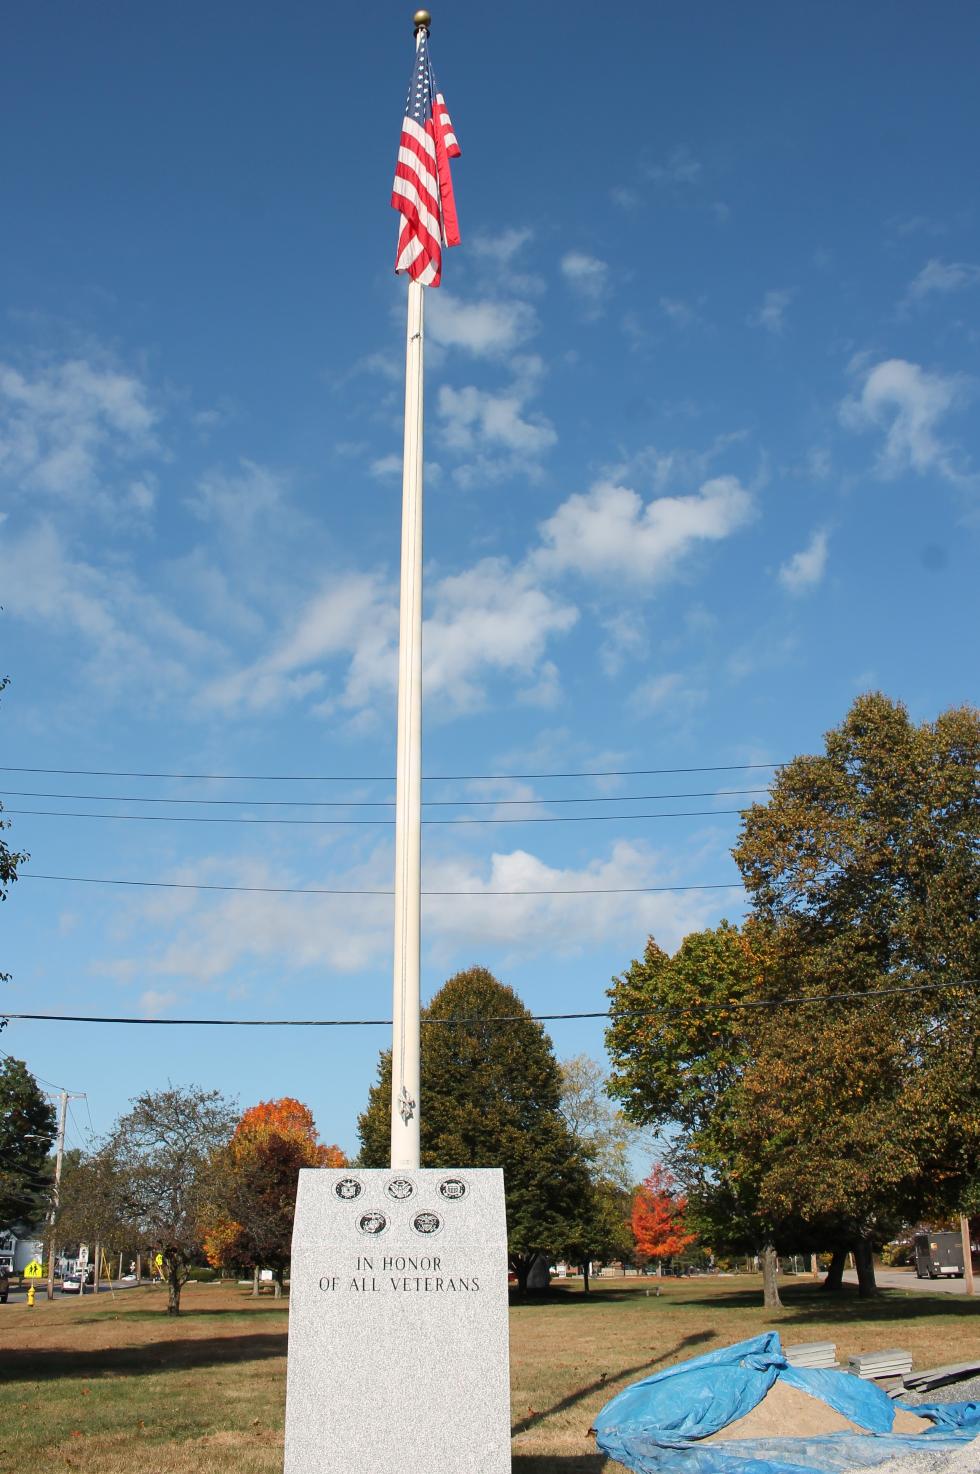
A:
812	1354
955	1371
872	1364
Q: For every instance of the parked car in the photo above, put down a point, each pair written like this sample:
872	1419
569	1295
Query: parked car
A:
73	1284
4	1286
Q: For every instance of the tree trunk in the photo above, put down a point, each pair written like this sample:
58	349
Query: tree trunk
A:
521	1265
835	1274
770	1269
587	1265
255	1282
864	1262
277	1283
174	1287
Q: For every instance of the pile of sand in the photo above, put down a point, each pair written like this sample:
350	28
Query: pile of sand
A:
786	1412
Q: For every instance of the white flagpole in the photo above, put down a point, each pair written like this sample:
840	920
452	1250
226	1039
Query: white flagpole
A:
405	1064
406	996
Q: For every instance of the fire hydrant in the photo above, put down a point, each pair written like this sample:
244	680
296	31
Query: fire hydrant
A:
30	1293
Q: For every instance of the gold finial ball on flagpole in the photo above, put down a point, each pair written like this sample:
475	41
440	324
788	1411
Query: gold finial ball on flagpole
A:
422	20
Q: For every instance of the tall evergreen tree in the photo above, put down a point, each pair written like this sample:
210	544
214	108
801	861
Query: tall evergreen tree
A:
491	1097
27	1129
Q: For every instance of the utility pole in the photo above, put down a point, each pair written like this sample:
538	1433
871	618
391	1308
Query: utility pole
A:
65	1097
966	1238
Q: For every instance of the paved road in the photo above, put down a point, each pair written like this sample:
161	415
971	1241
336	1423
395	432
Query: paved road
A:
906	1279
18	1297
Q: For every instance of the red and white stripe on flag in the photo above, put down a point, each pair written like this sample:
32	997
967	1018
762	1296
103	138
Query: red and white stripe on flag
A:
423	189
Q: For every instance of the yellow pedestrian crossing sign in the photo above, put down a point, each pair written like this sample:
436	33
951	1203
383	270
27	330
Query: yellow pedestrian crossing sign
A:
33	1271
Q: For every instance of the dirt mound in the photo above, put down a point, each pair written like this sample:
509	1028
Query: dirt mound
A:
909	1423
786	1412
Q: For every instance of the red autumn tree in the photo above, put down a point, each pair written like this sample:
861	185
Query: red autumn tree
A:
250	1216
657	1219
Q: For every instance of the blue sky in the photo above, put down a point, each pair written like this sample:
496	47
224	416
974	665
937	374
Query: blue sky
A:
702	465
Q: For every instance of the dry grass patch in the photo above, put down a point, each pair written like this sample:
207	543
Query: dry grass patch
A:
118	1387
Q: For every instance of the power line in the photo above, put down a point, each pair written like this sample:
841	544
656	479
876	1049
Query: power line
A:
356	803
383	778
39	1078
75	1126
515	1018
288	890
320	823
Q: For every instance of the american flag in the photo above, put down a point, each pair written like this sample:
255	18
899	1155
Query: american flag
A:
423	188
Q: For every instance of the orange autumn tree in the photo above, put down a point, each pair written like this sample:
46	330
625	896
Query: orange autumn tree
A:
250	1213
657	1219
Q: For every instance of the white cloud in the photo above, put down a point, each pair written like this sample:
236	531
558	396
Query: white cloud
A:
61	425
588	278
131	636
142	493
680	167
495	431
670	693
353	617
497	619
682	314
487	329
385	466
805	569
464	925
943	277
772	314
908	403
545	691
624	197
625	640
502	247
211	938
610	533
492	618
239	502
153	1003
479	417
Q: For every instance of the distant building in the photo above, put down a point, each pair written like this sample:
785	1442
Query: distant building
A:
18	1246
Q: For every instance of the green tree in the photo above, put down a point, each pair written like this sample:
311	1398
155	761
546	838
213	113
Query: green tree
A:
823	1124
864	873
605	1135
27	1129
158	1159
605	1139
677	1039
491	1097
90	1202
679	1042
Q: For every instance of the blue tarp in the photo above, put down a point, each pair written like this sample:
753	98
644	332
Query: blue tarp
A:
654	1427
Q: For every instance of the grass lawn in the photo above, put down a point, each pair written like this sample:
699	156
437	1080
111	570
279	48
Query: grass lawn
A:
117	1387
